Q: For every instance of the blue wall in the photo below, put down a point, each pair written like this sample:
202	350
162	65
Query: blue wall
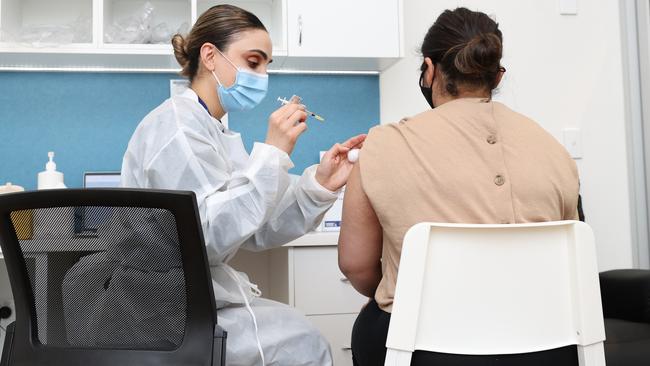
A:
87	119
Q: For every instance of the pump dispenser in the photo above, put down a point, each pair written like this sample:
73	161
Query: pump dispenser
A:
50	178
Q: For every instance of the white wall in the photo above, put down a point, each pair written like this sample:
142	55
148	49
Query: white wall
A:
563	71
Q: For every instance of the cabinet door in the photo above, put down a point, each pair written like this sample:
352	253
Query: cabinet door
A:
320	287
343	28
337	329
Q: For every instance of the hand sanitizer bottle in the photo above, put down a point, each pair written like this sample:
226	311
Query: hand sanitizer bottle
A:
50	178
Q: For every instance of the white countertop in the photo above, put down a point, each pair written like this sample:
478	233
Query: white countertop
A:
316	238
312	239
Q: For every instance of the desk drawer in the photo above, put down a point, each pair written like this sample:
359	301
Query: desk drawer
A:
320	288
337	329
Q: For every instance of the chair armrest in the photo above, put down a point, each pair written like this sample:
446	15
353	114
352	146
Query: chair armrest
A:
625	294
219	346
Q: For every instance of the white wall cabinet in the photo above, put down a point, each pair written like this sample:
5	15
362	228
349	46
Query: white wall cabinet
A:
41	23
344	28
126	22
271	13
133	35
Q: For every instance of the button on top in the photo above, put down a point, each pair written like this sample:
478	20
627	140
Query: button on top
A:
492	139
499	180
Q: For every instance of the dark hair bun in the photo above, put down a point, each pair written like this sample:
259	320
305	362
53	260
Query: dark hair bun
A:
481	55
180	52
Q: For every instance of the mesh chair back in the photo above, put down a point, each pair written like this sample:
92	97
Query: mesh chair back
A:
121	287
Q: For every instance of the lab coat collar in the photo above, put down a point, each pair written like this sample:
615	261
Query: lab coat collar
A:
191	94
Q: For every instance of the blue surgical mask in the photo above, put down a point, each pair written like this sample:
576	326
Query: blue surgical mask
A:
246	93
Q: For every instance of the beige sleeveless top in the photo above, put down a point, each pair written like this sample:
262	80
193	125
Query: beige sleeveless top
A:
467	161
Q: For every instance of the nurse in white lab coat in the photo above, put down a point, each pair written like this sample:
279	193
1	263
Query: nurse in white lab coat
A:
245	201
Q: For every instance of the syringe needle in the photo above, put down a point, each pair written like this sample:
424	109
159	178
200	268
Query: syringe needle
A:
284	102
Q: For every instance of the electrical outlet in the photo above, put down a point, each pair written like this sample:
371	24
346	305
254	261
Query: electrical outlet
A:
573	142
568	7
4	323
10	304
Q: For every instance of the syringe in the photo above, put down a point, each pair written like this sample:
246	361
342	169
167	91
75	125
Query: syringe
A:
284	101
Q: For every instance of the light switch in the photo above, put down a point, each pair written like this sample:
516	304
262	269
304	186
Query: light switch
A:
568	7
573	142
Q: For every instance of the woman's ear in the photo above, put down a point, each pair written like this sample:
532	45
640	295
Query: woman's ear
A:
208	59
429	74
500	74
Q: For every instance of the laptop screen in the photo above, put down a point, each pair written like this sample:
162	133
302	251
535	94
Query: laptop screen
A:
91	218
102	180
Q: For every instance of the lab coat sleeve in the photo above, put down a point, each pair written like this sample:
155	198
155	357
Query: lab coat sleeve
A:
300	210
259	200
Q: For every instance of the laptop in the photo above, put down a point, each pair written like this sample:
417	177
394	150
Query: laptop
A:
89	219
101	180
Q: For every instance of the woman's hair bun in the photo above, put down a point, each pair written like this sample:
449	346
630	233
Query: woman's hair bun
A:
481	55
180	52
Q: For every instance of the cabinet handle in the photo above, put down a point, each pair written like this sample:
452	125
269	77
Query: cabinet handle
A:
300	30
346	348
344	279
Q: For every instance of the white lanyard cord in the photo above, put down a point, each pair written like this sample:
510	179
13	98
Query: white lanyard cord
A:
235	276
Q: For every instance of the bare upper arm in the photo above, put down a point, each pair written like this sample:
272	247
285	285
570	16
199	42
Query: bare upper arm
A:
360	239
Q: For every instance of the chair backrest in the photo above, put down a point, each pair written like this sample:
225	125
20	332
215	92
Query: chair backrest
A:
135	292
496	289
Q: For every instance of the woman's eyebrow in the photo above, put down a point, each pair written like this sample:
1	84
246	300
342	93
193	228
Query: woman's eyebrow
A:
262	53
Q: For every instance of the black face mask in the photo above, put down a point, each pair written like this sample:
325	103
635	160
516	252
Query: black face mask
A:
426	90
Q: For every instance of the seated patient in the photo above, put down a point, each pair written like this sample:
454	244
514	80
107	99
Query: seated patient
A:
466	160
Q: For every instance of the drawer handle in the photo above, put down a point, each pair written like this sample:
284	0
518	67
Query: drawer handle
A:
346	348
344	279
300	30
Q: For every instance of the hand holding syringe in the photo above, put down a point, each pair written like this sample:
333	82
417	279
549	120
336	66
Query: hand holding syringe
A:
296	99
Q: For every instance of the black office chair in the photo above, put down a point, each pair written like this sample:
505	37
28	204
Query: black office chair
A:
135	292
625	295
626	305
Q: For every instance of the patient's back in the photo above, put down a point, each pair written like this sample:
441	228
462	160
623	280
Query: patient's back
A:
466	161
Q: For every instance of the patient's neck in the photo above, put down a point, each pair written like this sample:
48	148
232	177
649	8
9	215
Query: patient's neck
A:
445	98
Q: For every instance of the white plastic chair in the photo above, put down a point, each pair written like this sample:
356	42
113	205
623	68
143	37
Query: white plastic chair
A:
497	289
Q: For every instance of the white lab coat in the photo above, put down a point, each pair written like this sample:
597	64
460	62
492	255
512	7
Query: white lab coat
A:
245	201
